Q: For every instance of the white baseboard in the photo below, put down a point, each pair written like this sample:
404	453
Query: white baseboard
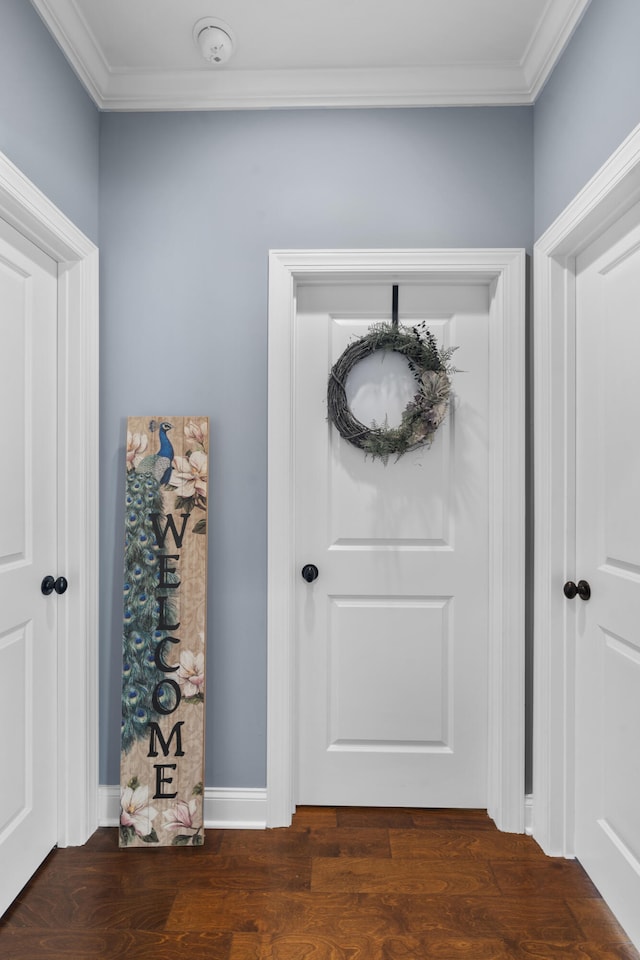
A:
230	809
224	808
528	814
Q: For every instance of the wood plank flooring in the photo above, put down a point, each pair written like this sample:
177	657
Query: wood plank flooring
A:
340	884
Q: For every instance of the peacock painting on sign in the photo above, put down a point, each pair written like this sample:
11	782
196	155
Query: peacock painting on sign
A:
165	577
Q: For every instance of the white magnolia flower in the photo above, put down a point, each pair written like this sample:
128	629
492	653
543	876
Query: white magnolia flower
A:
180	816
197	432
191	673
137	443
136	811
190	475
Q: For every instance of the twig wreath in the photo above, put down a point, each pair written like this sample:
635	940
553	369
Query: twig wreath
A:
431	368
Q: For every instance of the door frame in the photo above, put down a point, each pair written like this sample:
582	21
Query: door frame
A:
613	190
504	271
26	208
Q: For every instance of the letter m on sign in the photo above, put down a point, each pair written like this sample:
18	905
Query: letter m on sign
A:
155	738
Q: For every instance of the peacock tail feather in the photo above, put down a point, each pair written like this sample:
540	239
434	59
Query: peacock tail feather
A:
141	634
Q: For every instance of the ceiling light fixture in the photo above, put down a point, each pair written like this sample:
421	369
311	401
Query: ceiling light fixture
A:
214	40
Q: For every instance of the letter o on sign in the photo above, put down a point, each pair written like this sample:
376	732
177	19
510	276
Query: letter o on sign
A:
166	696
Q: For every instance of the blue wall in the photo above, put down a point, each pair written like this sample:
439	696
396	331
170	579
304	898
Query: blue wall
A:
49	126
190	205
588	107
185	208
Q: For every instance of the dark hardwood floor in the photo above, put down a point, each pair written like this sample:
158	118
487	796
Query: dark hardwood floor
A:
340	884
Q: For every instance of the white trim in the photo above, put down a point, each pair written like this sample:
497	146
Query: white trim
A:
224	809
30	212
504	269
70	30
454	84
556	27
614	189
477	85
528	814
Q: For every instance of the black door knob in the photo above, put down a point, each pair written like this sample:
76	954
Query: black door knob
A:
582	590
48	585
310	572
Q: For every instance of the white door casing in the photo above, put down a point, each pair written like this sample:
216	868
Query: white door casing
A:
613	191
503	272
25	208
391	639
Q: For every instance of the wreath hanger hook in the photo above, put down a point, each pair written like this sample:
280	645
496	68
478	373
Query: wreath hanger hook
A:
394	306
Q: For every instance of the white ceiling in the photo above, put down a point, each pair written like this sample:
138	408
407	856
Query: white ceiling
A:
141	54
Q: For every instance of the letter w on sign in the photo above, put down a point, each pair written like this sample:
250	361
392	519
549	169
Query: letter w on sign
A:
163	640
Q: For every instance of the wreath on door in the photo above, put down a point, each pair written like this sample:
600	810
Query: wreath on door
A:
431	368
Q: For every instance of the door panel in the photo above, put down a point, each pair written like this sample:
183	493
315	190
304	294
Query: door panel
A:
608	556
373	698
392	636
28	664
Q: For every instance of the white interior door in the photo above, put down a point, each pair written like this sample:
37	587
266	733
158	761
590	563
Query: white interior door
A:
28	655
392	637
608	558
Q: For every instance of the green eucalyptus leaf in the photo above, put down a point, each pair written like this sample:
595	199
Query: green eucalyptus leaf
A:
127	835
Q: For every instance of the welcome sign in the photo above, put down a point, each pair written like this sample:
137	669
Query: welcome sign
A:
165	576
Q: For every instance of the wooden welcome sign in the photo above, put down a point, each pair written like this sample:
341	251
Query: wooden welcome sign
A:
165	577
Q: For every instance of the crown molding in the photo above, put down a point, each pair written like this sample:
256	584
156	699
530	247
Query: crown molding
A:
256	90
549	41
80	47
212	88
